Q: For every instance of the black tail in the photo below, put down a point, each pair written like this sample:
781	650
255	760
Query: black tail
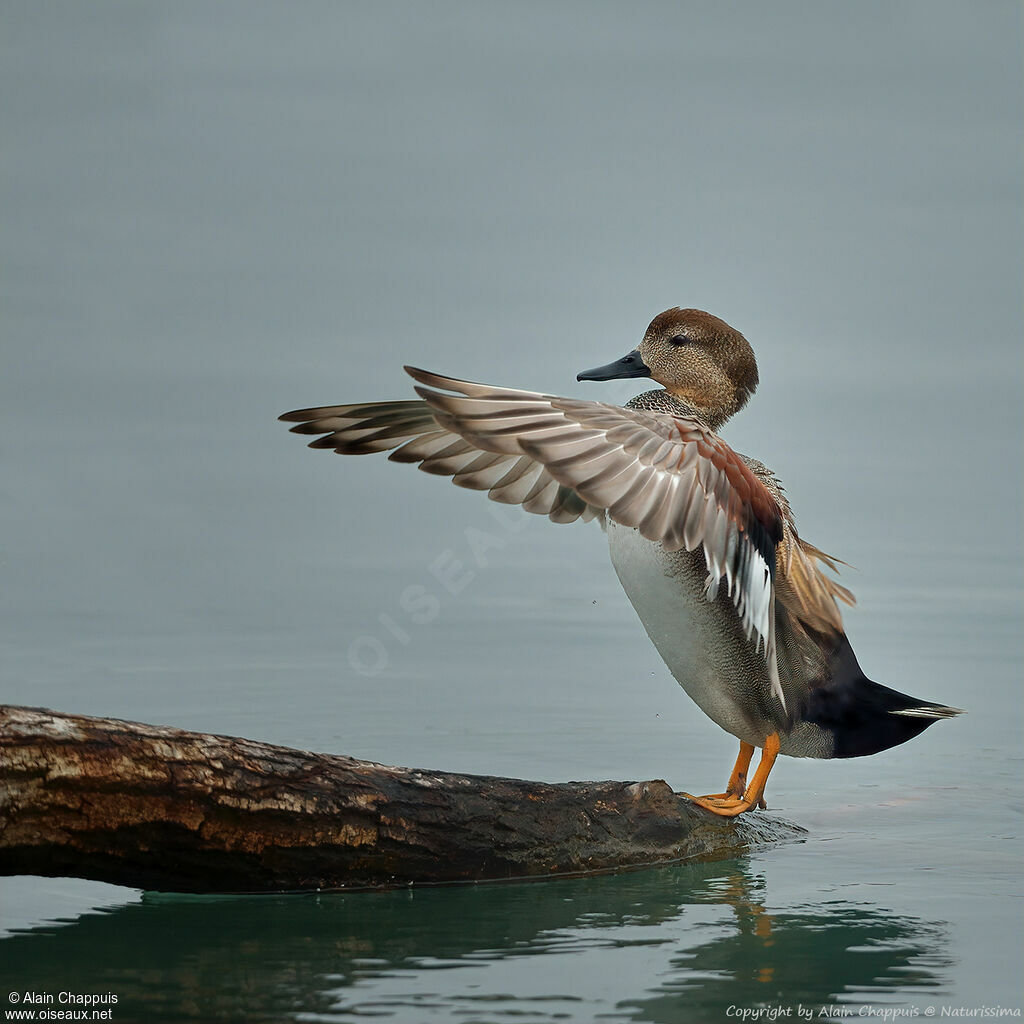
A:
865	717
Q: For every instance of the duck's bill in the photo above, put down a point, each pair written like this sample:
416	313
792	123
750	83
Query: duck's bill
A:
630	365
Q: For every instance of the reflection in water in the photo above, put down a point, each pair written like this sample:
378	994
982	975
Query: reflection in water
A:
833	953
706	938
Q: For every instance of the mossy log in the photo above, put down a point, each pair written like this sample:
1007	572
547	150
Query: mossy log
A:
165	809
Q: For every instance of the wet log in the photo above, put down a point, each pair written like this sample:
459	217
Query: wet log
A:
165	809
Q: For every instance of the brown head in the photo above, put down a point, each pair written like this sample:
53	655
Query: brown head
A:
696	357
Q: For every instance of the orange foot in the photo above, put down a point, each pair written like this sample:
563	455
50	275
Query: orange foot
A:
736	799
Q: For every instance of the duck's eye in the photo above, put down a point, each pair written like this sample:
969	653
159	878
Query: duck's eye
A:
679	339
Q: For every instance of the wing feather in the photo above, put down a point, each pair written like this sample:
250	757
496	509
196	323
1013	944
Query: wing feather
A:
668	476
802	587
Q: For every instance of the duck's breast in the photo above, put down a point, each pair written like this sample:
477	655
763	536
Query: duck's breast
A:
701	641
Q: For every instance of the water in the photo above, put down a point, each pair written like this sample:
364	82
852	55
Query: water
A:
213	215
655	946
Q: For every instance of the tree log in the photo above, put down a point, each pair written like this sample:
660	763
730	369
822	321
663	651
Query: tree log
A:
164	809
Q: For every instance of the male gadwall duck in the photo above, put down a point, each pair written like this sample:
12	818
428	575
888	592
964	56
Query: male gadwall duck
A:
702	538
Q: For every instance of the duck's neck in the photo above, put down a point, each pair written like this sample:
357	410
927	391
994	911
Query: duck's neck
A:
664	401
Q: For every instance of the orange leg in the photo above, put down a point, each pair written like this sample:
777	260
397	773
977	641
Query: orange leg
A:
735	800
737	784
738	779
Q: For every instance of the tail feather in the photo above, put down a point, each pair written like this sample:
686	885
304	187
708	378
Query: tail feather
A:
932	711
865	717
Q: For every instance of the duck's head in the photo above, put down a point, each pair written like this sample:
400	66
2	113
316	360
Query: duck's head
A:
695	356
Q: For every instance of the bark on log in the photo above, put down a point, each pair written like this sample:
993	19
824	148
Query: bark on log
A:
161	808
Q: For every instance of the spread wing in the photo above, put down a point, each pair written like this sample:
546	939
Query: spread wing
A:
668	476
412	432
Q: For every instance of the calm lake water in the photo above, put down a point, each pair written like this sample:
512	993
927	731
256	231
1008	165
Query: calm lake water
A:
212	214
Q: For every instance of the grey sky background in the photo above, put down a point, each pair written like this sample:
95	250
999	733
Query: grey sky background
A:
212	214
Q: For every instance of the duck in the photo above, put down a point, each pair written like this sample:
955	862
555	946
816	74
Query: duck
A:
744	612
